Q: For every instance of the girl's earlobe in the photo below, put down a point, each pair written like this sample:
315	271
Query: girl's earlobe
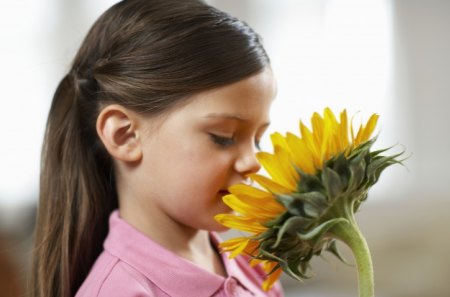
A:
117	129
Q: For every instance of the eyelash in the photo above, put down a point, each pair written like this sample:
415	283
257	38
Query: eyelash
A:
228	141
222	141
257	145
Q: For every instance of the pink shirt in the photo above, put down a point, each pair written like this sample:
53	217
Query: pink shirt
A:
132	265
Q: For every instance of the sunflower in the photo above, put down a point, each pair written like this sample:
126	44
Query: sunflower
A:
316	182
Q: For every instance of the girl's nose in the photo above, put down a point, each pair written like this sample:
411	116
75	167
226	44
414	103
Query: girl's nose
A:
247	163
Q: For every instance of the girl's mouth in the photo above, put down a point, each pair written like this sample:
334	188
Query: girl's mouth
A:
224	192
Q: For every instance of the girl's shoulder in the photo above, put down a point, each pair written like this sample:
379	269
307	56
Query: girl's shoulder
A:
111	277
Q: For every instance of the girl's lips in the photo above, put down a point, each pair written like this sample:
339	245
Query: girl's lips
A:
224	192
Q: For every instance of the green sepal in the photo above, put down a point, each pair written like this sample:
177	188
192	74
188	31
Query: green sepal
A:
332	248
310	204
340	165
320	230
332	182
308	182
296	268
278	220
362	148
295	274
266	255
357	172
291	226
377	166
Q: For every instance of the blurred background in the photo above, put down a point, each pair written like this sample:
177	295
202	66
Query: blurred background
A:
391	57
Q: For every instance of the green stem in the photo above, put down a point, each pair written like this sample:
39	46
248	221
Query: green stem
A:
350	234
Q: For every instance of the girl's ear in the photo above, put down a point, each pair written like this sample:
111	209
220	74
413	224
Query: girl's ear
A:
117	129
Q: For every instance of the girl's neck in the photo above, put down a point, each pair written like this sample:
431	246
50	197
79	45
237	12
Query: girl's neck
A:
189	243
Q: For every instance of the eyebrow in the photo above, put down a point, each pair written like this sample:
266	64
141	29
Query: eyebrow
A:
232	117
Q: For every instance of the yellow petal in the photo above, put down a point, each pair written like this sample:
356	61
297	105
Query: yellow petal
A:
241	223
253	208
278	140
273	277
308	139
301	155
344	143
240	245
252	248
242	189
253	195
329	117
279	166
326	148
254	262
317	128
235	245
286	163
370	126
270	185
352	132
359	135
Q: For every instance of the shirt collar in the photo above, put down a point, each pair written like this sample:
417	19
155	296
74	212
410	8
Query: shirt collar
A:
170	272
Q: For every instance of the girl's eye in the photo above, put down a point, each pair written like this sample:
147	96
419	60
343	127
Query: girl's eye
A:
221	140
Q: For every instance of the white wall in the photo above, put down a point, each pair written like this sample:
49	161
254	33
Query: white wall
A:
422	86
38	39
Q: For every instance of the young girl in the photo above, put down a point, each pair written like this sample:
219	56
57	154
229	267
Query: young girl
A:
161	112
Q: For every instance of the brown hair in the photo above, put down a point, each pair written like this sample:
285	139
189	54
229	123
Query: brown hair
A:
147	55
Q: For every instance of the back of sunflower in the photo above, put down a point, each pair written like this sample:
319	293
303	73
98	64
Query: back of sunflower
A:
317	182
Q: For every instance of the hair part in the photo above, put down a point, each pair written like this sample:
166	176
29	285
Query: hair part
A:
148	56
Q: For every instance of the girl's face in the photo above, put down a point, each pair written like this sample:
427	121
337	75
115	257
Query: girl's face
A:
194	154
